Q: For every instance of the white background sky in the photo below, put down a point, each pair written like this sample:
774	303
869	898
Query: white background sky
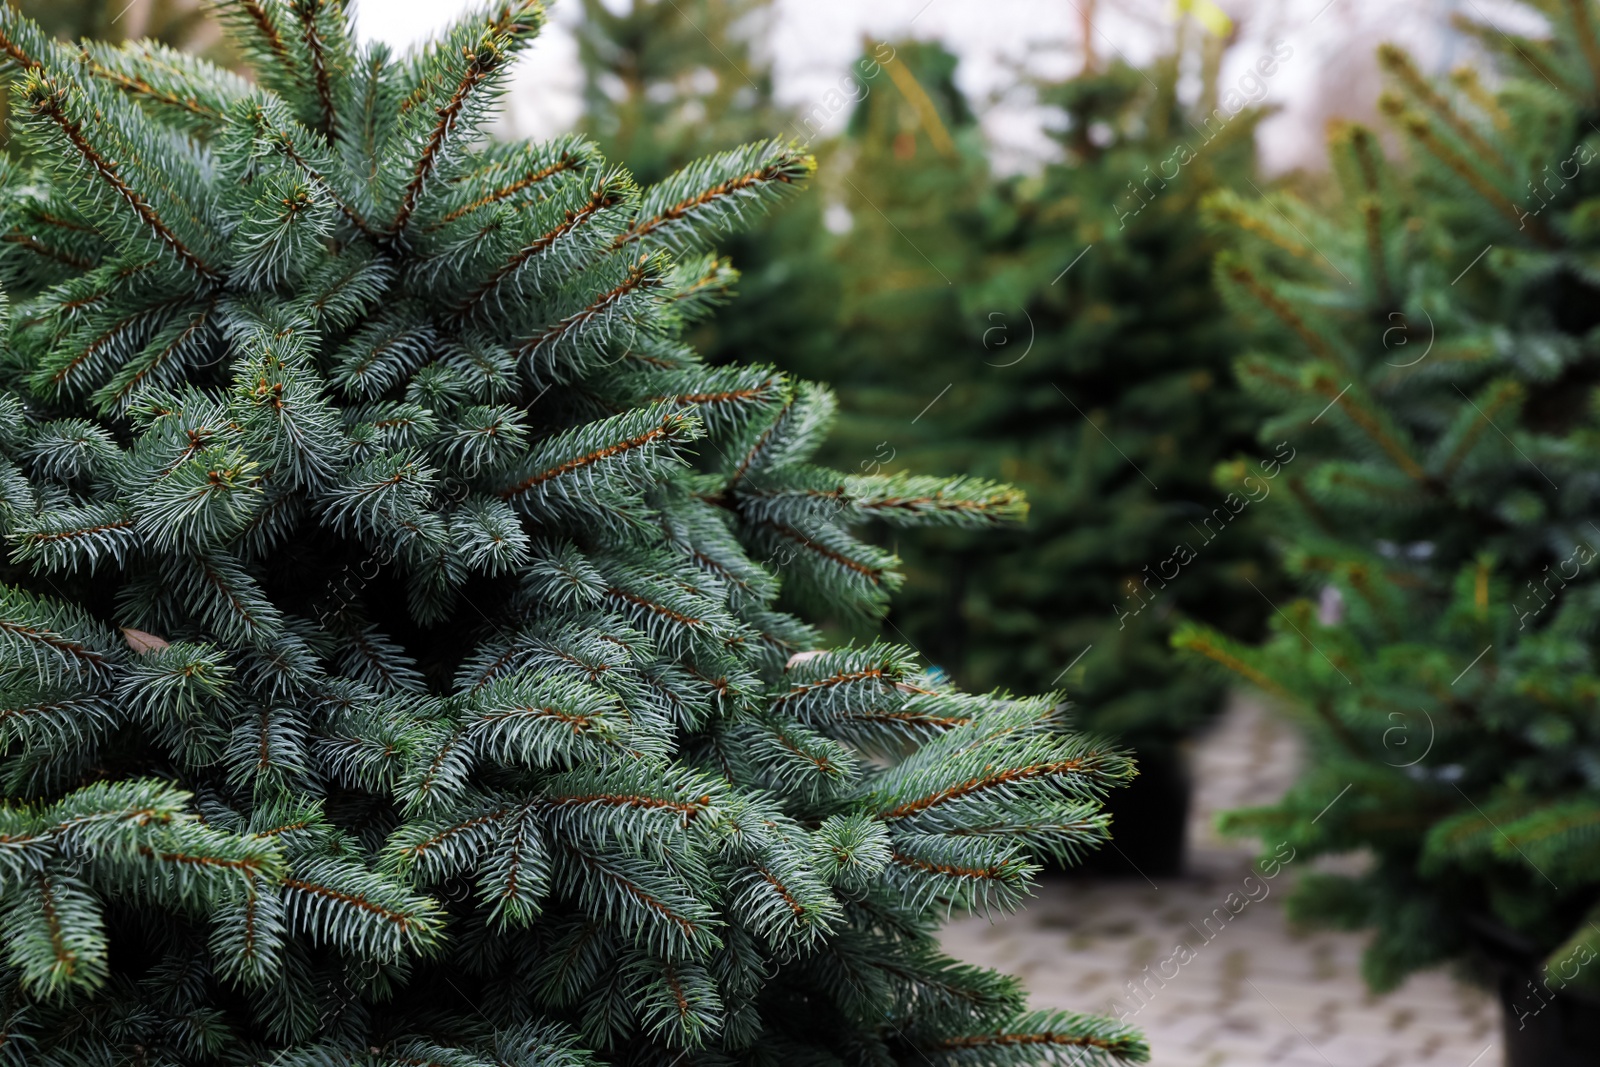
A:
815	41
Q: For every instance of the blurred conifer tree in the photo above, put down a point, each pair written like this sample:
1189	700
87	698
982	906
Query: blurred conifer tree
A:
913	278
175	22
1428	347
1061	328
666	81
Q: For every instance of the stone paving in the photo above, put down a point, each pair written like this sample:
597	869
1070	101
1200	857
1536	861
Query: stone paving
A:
1250	990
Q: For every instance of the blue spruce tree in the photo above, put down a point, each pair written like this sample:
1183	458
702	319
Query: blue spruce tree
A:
397	636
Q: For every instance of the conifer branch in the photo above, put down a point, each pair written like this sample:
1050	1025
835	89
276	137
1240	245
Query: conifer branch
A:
759	170
1368	155
286	145
840	679
418	850
671	427
655	608
139	87
267	28
906	717
992	873
1051	1033
1397	62
639	278
998	780
1583	29
308	10
1280	309
250	866
404	922
652	903
688	809
59	376
1201	643
516	18
713	278
1372	219
11	44
566	162
766	390
154	363
38	247
1498	400
602	197
821	759
873	574
785	169
754	452
55	544
783	892
48	100
1423	133
1374	429
66	958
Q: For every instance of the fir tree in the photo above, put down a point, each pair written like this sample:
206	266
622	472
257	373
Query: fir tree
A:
668	81
913	169
1427	350
1064	334
393	664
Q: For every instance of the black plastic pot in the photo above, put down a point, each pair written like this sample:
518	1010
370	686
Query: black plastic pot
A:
1545	1027
1149	821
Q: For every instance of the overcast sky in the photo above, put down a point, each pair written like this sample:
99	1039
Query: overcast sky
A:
1329	72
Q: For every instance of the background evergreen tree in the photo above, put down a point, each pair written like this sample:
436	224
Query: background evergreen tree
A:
668	81
390	669
913	171
1429	351
174	22
1061	330
945	276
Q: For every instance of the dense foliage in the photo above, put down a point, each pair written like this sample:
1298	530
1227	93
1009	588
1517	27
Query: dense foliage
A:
950	308
1092	369
1428	349
1061	331
393	662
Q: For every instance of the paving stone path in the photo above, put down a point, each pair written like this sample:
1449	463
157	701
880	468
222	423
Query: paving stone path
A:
1251	990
